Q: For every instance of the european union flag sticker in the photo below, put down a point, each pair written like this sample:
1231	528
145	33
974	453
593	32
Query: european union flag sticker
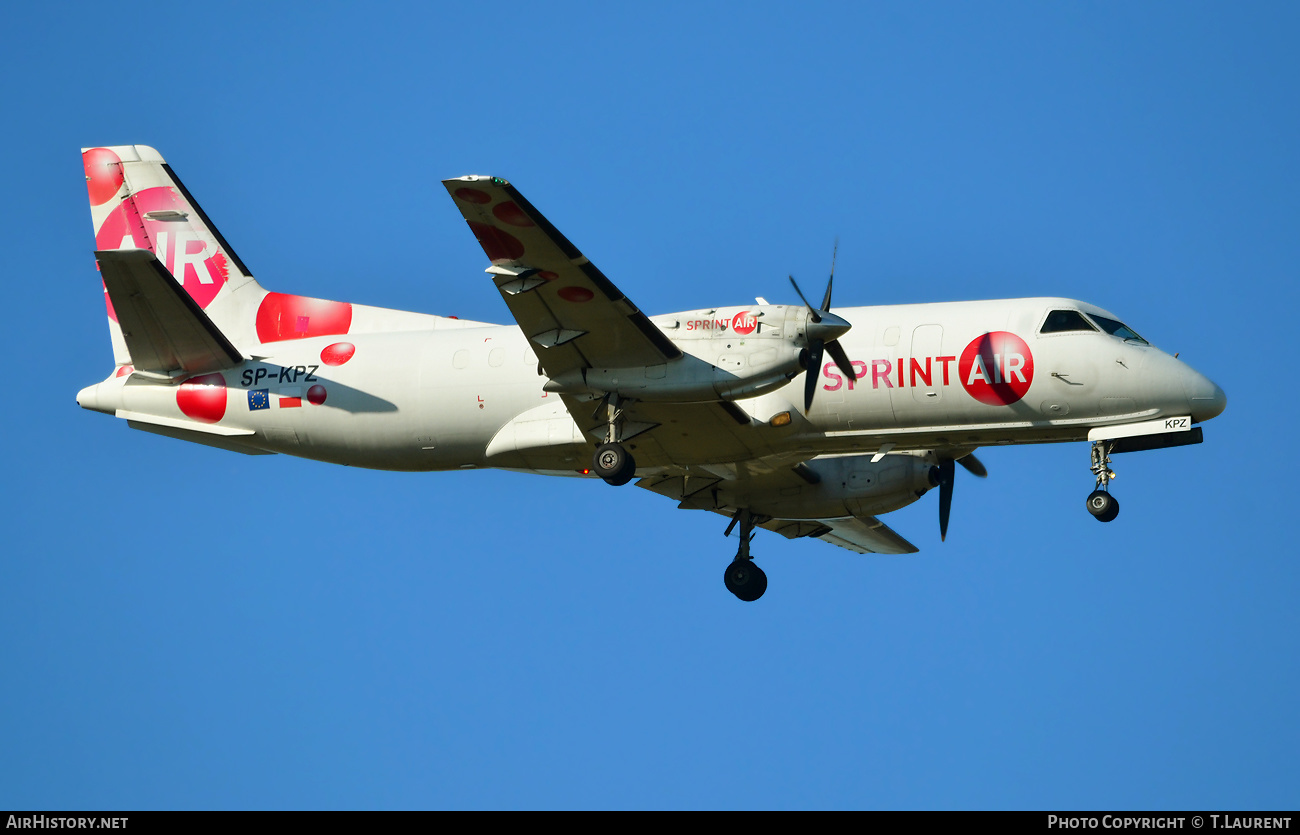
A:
259	399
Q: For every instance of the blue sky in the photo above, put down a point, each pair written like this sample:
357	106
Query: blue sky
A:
490	639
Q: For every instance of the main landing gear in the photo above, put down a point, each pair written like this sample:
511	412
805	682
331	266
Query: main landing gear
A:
612	461
1101	504
742	578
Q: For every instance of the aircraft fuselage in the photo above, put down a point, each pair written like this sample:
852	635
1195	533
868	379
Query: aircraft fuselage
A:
461	394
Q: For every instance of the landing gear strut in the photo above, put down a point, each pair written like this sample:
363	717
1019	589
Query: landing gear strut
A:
742	578
1101	504
612	461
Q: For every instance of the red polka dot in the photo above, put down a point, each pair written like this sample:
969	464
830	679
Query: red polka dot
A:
498	244
576	294
203	398
123	370
282	316
473	195
338	353
316	395
548	275
508	212
103	174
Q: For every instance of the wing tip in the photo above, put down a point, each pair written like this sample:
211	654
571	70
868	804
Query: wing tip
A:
477	178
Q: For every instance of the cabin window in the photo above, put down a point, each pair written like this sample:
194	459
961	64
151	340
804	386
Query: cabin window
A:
1063	321
1119	329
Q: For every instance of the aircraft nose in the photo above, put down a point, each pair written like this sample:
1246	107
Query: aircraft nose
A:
1204	396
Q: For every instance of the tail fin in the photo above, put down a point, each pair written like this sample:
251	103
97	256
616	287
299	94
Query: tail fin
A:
137	202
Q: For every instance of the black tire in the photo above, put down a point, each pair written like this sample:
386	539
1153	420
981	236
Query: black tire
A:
745	580
1102	505
614	464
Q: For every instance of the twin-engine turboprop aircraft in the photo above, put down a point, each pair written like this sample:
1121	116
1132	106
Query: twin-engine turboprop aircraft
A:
785	417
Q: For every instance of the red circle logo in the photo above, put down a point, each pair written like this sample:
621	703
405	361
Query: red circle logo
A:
996	368
197	264
744	323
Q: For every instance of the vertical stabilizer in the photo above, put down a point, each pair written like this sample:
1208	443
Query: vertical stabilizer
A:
137	202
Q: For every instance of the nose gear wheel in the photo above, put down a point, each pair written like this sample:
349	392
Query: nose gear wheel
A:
1101	504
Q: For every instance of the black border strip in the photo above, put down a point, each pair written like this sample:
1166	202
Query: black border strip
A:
1164	440
664	345
191	306
216	233
570	251
232	353
735	412
598	278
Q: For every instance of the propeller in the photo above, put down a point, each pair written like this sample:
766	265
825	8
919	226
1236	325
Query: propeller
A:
947	470
823	332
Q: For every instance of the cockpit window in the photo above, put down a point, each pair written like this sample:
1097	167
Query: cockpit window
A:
1119	329
1062	321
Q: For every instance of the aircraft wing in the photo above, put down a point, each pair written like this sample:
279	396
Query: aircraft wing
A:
164	328
860	534
574	316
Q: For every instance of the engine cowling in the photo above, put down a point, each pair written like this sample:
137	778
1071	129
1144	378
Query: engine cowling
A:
728	354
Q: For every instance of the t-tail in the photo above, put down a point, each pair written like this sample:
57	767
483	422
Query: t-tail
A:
182	306
149	228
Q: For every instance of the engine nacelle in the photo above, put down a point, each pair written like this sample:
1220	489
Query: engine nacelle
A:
728	354
850	485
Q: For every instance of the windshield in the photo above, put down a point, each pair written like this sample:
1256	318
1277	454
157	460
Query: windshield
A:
1064	321
1115	328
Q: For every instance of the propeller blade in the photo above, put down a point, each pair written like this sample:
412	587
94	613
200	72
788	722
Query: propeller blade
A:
972	464
946	473
812	311
812	373
826	302
836	350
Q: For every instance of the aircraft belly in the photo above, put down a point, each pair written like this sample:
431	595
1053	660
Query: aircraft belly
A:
544	437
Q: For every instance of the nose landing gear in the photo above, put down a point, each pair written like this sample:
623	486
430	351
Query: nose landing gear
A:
742	578
1101	504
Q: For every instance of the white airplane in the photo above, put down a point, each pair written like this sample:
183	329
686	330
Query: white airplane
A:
702	406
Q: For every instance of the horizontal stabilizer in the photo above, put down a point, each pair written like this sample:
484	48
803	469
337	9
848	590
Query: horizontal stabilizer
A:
164	328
